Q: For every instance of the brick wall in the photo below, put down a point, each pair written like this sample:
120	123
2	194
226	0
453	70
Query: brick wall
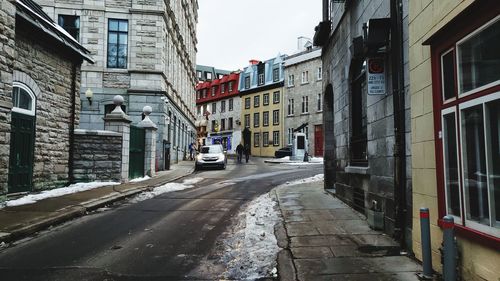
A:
97	156
7	47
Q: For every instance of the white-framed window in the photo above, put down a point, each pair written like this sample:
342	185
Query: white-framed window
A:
319	73
290	107
199	74
305	104
319	108
247	82
276	117
247	120
230	105
290	136
223	106
276	97
276	138
305	77
204	91
230	86
256	101
23	99
214	108
291	80
276	74
256	119
247	103
261	79
265	100
265	139
198	94
265	118
208	75
256	139
222	88
214	90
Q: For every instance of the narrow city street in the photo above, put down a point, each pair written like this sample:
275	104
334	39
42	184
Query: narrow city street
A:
161	238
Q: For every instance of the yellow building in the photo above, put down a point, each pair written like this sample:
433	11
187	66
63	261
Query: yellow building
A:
261	92
455	123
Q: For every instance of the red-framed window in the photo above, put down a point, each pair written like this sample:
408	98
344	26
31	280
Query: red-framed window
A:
466	94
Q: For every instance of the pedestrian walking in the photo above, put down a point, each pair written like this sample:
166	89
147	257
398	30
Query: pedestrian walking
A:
191	151
239	152
247	153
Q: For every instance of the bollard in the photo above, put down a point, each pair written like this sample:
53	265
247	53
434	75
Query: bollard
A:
425	233
449	270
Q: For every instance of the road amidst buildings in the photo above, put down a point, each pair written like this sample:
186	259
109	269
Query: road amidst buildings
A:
155	239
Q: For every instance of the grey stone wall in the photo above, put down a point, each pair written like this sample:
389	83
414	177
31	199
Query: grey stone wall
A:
7	47
97	156
52	71
358	186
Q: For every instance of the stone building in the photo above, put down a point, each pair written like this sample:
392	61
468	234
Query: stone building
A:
261	92
39	101
366	108
218	109
145	50
455	104
303	101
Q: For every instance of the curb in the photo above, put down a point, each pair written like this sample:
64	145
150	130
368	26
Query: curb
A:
79	210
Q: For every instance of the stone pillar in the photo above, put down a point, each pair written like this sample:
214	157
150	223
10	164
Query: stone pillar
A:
150	147
118	121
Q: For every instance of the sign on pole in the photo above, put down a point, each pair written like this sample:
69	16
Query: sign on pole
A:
376	76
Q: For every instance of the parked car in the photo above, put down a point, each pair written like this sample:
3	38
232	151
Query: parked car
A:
283	152
211	156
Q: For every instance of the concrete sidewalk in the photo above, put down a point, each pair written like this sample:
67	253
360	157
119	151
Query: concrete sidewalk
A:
324	239
20	221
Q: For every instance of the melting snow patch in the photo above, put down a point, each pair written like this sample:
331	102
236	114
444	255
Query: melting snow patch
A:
250	252
318	177
140	179
169	187
74	188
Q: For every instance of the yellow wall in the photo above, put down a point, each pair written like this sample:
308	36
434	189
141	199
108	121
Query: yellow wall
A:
262	150
426	17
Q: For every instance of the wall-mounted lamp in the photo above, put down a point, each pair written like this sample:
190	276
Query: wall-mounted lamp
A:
89	95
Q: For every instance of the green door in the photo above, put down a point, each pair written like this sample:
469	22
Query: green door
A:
22	141
137	145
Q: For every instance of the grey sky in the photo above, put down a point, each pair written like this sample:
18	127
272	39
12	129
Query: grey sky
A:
231	32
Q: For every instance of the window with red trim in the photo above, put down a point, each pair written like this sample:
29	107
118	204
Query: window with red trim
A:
467	100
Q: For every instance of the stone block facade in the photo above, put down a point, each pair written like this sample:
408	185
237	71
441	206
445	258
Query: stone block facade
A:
97	156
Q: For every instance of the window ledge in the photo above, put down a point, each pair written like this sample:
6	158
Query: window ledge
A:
304	113
357	170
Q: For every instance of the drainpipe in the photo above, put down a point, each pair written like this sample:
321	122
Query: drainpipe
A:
72	124
398	94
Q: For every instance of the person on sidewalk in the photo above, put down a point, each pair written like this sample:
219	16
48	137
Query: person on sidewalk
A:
239	152
247	153
191	151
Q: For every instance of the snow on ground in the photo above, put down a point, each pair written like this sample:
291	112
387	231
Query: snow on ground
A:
74	188
251	250
140	179
318	177
286	160
169	187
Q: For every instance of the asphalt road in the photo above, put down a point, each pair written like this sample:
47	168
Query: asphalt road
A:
163	238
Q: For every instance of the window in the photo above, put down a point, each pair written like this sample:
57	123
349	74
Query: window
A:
265	99
23	99
358	94
290	107
223	124
117	43
276	117
230	123
220	75
247	103
198	95
223	106
256	101
222	88
290	135
319	108
305	77
208	75
470	129
276	75
214	126
230	104
276	138
319	74
198	74
256	121
214	89
261	79
265	139
214	108
230	86
247	82
290	80
265	118
71	24
247	120
256	139
305	104
204	93
276	97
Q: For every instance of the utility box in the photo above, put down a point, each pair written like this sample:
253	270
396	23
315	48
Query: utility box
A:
375	219
299	146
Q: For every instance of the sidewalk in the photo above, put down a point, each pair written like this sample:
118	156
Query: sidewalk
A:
20	221
324	239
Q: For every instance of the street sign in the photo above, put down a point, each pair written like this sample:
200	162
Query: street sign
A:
376	76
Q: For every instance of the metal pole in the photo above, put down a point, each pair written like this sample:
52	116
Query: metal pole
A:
449	270
425	233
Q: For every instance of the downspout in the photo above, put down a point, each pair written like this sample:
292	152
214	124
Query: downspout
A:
398	93
72	124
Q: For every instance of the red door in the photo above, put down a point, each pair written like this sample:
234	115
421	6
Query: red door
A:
318	140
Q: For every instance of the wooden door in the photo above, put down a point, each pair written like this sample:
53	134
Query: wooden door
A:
22	145
318	140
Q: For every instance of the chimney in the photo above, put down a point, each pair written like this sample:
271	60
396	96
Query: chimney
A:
254	62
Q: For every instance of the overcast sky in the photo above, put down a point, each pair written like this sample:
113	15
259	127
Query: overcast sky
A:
231	32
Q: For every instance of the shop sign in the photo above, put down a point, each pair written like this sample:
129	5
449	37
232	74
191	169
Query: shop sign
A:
376	76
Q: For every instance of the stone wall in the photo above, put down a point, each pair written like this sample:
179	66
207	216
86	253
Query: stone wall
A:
7	47
39	65
97	156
